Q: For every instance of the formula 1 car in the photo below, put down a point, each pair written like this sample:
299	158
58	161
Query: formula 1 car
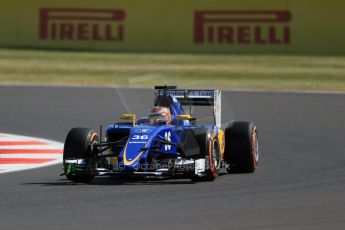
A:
168	143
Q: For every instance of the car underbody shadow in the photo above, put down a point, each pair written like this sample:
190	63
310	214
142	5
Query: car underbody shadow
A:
110	180
122	180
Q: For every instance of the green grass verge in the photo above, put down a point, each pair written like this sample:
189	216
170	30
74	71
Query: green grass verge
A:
274	72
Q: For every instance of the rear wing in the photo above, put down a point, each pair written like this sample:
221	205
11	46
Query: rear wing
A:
195	97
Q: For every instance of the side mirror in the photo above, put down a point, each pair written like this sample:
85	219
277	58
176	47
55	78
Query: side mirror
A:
130	117
184	117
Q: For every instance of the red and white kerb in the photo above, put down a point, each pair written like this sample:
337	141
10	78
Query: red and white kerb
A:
22	152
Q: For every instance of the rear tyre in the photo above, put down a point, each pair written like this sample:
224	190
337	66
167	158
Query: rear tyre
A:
78	156
241	147
210	150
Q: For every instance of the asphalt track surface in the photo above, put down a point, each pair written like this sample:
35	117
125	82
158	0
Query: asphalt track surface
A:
299	183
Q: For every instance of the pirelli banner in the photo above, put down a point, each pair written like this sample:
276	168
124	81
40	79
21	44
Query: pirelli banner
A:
204	26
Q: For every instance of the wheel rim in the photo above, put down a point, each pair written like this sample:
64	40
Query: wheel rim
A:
215	155
255	148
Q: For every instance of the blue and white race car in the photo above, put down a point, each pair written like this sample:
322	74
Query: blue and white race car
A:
168	143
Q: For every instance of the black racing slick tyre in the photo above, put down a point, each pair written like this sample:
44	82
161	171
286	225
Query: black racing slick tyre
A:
210	150
241	147
78	156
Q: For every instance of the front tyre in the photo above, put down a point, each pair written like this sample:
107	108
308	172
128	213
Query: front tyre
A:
210	150
213	160
241	147
78	157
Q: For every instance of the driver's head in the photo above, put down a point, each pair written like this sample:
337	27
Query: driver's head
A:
164	111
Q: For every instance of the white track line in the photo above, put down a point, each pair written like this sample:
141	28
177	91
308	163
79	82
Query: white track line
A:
26	147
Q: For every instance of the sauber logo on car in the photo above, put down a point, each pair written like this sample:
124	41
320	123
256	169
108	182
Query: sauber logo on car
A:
143	130
242	27
68	24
